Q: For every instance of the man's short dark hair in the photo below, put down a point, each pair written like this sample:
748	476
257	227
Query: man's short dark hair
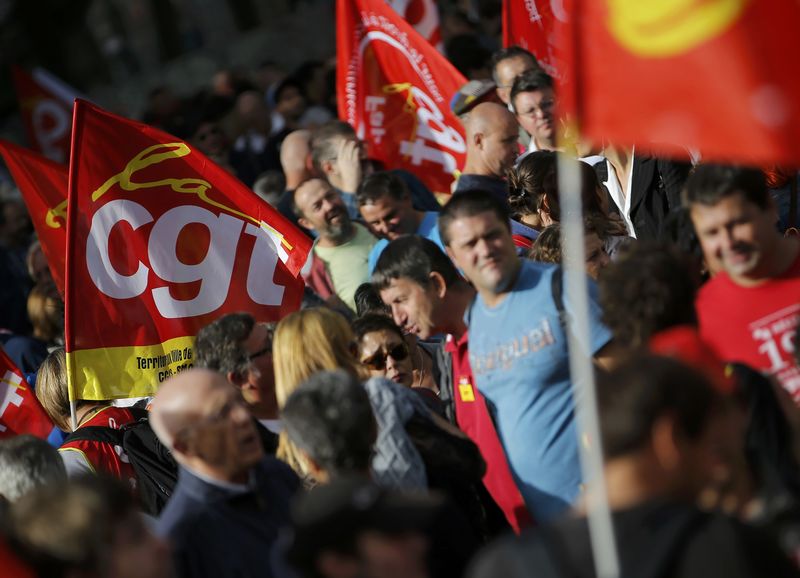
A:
27	462
219	344
506	53
380	184
323	141
710	183
530	81
369	301
415	258
372	323
643	388
469	204
648	289
330	418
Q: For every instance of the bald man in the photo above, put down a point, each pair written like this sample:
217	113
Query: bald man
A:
491	150
296	165
231	500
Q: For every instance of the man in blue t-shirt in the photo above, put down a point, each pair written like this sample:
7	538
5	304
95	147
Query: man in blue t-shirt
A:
518	351
386	207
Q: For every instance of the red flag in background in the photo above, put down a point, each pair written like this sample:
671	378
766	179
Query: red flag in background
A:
533	25
717	76
44	185
161	241
395	89
20	411
46	106
423	15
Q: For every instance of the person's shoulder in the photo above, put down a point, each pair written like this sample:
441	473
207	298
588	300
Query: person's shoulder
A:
535	276
275	470
182	517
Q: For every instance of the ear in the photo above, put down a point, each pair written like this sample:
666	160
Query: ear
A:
328	168
477	140
438	283
305	223
665	444
236	378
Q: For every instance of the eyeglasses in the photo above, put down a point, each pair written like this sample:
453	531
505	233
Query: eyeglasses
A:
544	107
377	361
260	352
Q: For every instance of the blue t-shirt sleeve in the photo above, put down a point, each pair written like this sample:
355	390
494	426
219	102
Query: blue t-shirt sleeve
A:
599	334
375	253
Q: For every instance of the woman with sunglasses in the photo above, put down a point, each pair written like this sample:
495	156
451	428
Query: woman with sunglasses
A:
383	351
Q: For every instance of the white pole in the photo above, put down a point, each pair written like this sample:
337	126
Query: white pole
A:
601	529
73	414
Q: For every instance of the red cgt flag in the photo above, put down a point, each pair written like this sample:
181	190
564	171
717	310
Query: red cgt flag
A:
710	75
161	241
423	15
46	106
394	88
20	411
534	26
44	186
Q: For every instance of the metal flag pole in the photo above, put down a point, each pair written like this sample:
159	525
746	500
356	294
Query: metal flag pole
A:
601	529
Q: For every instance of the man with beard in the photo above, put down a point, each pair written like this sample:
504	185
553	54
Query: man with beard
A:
338	261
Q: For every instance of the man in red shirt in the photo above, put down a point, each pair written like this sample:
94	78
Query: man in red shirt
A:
749	311
428	297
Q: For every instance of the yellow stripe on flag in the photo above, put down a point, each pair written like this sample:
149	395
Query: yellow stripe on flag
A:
131	371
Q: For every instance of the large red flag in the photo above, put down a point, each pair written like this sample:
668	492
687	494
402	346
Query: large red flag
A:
46	106
44	186
20	411
712	75
423	15
533	25
160	242
394	88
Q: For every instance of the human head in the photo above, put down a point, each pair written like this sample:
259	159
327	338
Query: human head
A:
296	157
547	249
320	207
383	350
241	350
475	228
533	193
533	100
46	312
735	218
51	389
252	112
492	133
88	527
659	410
36	262
385	205
210	139
649	288
368	300
270	185
290	100
27	462
413	276
351	528
325	144
329	418
15	223
204	421
507	64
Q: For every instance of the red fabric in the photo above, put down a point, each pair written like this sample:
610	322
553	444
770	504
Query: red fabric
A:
161	241
20	411
532	25
43	184
10	564
394	88
474	420
423	15
46	107
318	277
685	344
104	457
754	325
715	76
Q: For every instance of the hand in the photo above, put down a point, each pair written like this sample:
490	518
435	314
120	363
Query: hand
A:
348	165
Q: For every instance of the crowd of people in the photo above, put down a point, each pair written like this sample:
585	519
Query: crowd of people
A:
417	416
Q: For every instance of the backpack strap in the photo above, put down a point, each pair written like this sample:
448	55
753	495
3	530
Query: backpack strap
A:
96	433
557	289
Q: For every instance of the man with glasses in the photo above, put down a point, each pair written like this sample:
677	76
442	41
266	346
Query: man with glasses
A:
231	500
507	65
533	102
241	350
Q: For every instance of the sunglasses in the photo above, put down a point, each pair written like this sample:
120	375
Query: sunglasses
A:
377	361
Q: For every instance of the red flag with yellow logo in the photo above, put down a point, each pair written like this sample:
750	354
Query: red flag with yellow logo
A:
44	185
711	75
20	411
161	241
533	26
394	88
45	103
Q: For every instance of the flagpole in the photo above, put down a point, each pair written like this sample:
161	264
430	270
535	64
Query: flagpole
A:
73	412
601	529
